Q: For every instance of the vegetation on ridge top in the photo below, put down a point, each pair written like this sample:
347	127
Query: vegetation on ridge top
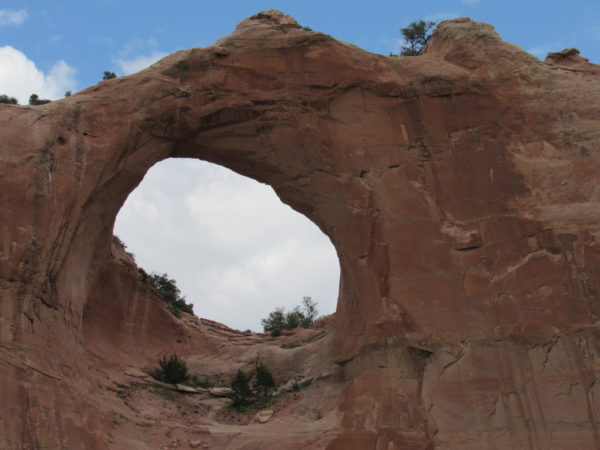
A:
278	319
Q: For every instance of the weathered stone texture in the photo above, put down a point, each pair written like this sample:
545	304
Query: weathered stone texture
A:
460	189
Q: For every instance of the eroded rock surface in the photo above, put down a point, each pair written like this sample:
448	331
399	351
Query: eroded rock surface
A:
460	189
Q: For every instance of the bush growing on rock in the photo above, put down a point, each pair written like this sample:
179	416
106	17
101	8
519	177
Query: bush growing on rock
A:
264	383
174	370
35	99
299	317
242	394
245	396
10	100
275	321
165	286
171	294
415	37
309	312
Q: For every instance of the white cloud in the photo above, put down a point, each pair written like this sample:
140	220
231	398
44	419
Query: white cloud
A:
442	15
138	54
235	250
19	77
129	66
470	2
12	17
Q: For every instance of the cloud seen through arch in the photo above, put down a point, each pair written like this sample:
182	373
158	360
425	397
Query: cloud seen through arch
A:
235	249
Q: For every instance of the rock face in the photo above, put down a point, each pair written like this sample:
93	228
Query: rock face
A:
460	189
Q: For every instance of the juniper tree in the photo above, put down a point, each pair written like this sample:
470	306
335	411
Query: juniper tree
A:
242	393
264	384
416	36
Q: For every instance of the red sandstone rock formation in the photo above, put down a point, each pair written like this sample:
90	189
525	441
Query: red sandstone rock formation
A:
460	189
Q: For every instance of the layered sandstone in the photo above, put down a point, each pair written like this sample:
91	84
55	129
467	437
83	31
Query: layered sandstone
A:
459	188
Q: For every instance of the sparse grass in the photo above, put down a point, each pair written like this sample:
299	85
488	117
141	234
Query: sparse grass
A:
244	416
254	405
167	394
123	395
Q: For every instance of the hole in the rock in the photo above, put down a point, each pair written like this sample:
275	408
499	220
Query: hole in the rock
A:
236	251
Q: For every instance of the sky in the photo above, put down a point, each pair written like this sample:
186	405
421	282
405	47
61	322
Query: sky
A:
235	250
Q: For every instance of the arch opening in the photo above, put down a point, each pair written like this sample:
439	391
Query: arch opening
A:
236	251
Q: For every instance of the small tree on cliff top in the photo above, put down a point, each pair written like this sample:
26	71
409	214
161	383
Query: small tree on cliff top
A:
171	294
299	317
415	37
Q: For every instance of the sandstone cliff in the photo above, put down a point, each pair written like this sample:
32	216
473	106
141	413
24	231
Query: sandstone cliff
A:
460	189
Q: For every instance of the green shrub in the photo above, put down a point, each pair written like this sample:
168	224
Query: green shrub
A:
170	293
264	384
109	75
10	100
143	274
275	321
294	319
310	312
174	310
299	317
165	286
174	370
245	397
242	394
415	37
35	99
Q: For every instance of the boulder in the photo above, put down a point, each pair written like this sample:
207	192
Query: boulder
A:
220	391
264	415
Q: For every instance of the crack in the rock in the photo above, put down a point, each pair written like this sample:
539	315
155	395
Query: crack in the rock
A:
451	363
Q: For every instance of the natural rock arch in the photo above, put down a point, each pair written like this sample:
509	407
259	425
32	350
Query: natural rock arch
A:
235	250
454	186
